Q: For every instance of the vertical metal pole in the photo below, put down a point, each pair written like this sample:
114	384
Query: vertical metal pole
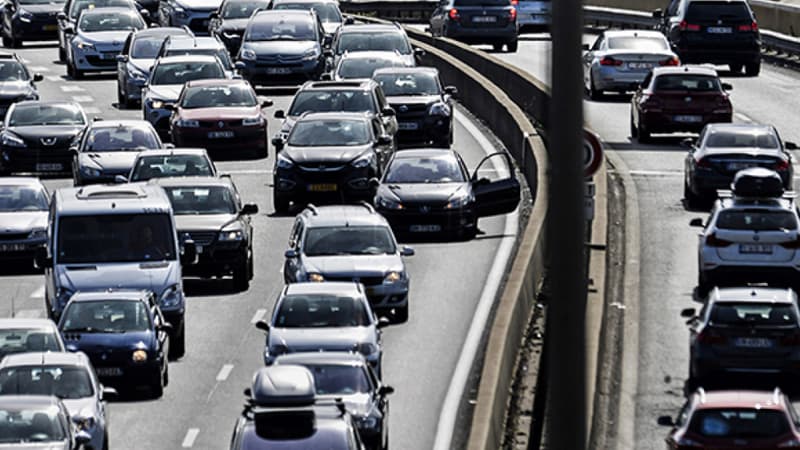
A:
566	332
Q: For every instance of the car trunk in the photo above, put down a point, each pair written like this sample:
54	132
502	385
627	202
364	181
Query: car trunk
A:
730	163
720	24
483	13
689	102
754	341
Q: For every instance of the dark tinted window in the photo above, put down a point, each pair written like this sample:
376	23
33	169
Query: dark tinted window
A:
355	240
380	41
444	169
734	139
201	200
146	47
220	53
753	314
327	12
108	139
241	10
329	133
686	82
364	67
22	198
756	220
11	70
717	10
110	22
44	114
482	3
739	423
281	30
65	382
36	424
336	100
18	340
180	73
321	311
106	316
148	167
408	83
218	96
340	379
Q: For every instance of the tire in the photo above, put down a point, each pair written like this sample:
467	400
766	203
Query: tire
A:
512	46
703	286
177	344
735	68
594	94
62	55
401	314
241	279
497	47
642	135
6	41
250	266
166	373
634	130
281	203
692	200
105	440
157	388
752	70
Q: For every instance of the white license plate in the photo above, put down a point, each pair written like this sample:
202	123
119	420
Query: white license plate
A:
408	125
719	30
108	55
12	247
109	371
688	119
640	65
753	342
220	134
279	70
484	19
758	249
49	167
737	166
425	228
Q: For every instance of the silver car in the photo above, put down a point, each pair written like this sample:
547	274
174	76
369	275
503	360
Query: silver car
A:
177	162
23	213
620	59
40	421
314	317
22	335
67	376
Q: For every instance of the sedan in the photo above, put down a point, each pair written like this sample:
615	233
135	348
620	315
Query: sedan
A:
24	205
177	162
430	191
620	59
364	64
41	417
98	39
16	82
72	11
222	116
230	20
18	335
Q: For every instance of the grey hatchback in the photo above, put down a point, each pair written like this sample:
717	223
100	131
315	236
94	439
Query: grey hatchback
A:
477	22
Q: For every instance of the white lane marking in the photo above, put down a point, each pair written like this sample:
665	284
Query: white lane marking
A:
191	435
248	171
91	110
258	315
25	60
38	293
656	173
71	88
224	372
39	69
29	314
743	117
449	411
54	78
83	98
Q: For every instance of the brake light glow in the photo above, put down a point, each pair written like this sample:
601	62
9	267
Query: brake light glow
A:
686	26
713	241
609	61
670	62
782	165
751	27
512	14
453	14
702	162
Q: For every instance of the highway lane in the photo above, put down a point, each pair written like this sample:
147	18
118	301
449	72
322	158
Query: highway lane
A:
204	395
668	245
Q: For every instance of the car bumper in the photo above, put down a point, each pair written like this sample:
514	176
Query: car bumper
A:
300	186
124	374
94	61
482	35
20	249
727	273
707	364
34	160
36	29
613	79
720	55
706	184
243	138
430	222
665	122
217	259
416	130
264	73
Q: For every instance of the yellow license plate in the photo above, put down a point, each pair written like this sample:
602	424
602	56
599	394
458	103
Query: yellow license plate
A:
50	27
322	187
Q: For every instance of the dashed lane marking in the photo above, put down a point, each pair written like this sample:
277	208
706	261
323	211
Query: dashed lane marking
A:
191	435
29	314
224	372
38	293
83	98
258	315
39	69
743	117
71	88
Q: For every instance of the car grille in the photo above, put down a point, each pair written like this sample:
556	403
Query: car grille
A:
13	236
97	61
201	237
321	167
278	59
199	25
216	123
366	281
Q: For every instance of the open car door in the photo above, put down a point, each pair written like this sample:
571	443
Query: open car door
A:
497	197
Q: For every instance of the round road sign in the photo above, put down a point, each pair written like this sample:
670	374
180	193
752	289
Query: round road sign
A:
592	153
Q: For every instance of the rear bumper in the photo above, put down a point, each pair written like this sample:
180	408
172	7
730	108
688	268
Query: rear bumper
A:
664	122
449	222
779	274
747	54
707	364
480	35
613	79
244	138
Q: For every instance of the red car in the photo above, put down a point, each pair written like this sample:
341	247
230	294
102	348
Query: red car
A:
672	99
220	116
728	420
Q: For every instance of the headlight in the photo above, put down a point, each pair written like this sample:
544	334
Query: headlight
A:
365	348
389	204
38	234
284	162
316	277
247	55
139	356
85	46
171	297
392	277
363	161
235	235
10	140
91	172
311	55
458	202
439	109
184	123
251	121
24	15
156	104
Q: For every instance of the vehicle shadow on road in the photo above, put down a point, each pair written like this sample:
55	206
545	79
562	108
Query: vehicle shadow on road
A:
208	287
18	268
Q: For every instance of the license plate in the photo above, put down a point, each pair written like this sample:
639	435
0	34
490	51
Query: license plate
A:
640	65
49	167
753	342
719	30
688	119
737	166
484	19
50	27
12	247
278	70
425	228
220	134
408	125
762	249
108	371
326	187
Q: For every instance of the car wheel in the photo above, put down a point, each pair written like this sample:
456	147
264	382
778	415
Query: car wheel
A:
497	47
177	343
642	134
280	202
735	68
594	93
166	373
752	70
241	280
250	267
634	130
703	286
157	388
401	314
511	47
62	55
6	41
692	200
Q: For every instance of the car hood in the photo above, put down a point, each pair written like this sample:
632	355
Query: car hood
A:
205	222
64	445
281	47
226	113
164	91
39	131
200	4
753	151
234	25
44	8
420	192
341	155
116	38
22	221
115	162
321	339
396	101
154	276
98	342
354	265
14	89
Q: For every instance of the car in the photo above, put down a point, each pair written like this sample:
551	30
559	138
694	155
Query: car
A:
124	333
672	99
423	108
229	22
24	204
752	234
210	212
533	15
364	64
352	38
68	376
726	419
477	22
430	191
350	243
137	57
327	10
282	47
28	20
282	412
68	18
713	31
108	148
37	136
177	162
16	82
345	96
332	156
166	81
619	60
40	421
193	14
22	335
223	116
198	45
724	149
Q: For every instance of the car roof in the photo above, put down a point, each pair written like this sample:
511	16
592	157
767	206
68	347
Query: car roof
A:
116	123
740	399
418	69
192	181
333	115
130	198
361	83
327	287
370	28
218	82
178	42
173	151
753	295
21	181
634	33
691	70
110	294
327	358
740	127
45	359
187	59
338	215
26	401
24	322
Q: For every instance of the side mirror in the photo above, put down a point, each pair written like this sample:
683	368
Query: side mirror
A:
277	142
279	114
69	29
585	47
383	322
385	390
388	111
349	20
727	86
687	143
41	260
37	77
790	146
374	182
189	252
120	179
122	58
214	15
384	139
328	53
326	41
61	16
658	13
451	90
166	327
291	253
326	77
249	209
169	145
266	103
263	326
240	65
407	251
109	393
145	13
170	106
419	52
688	313
666	421
247	392
696	222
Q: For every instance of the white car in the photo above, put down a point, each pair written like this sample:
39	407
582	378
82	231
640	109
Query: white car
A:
99	37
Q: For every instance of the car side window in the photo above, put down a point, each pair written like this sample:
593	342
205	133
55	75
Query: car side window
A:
683	415
297	231
598	43
672	9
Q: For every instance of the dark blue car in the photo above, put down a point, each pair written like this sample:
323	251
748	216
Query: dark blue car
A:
124	334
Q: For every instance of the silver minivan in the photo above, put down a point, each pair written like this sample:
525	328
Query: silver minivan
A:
533	15
116	236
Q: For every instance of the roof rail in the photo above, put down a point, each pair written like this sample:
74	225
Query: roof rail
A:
311	207
367	205
702	393
776	395
728	193
187	29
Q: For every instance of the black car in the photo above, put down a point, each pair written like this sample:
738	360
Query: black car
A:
209	211
331	156
37	136
477	22
230	20
424	109
124	334
713	31
429	191
16	82
29	20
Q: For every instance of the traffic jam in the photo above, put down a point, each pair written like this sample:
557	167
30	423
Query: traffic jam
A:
364	159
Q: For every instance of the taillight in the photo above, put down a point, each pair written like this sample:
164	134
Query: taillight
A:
781	165
512	15
791	339
453	14
710	337
514	2
686	26
669	62
713	241
704	163
751	27
609	61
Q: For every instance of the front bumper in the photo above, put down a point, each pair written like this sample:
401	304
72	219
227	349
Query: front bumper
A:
665	121
340	185
113	372
82	179
36	160
382	297
19	249
273	72
94	60
219	258
242	138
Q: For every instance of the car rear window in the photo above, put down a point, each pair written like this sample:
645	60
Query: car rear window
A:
637	43
717	10
482	3
686	82
321	311
741	140
753	314
758	220
739	423
334	100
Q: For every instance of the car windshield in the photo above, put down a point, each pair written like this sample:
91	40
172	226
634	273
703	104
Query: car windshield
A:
644	44
79	6
364	67
751	314
106	316
62	381
328	12
443	169
684	82
22	340
376	41
756	220
321	311
242	9
335	100
122	138
349	240
408	83
281	30
44	114
739	423
26	425
329	133
340	379
146	47
726	139
180	73
106	238
707	11
160	166
201	200
11	70
218	96
22	198
109	22
220	53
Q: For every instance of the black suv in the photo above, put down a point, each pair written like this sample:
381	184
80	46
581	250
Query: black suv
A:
477	22
210	212
713	31
28	20
229	22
